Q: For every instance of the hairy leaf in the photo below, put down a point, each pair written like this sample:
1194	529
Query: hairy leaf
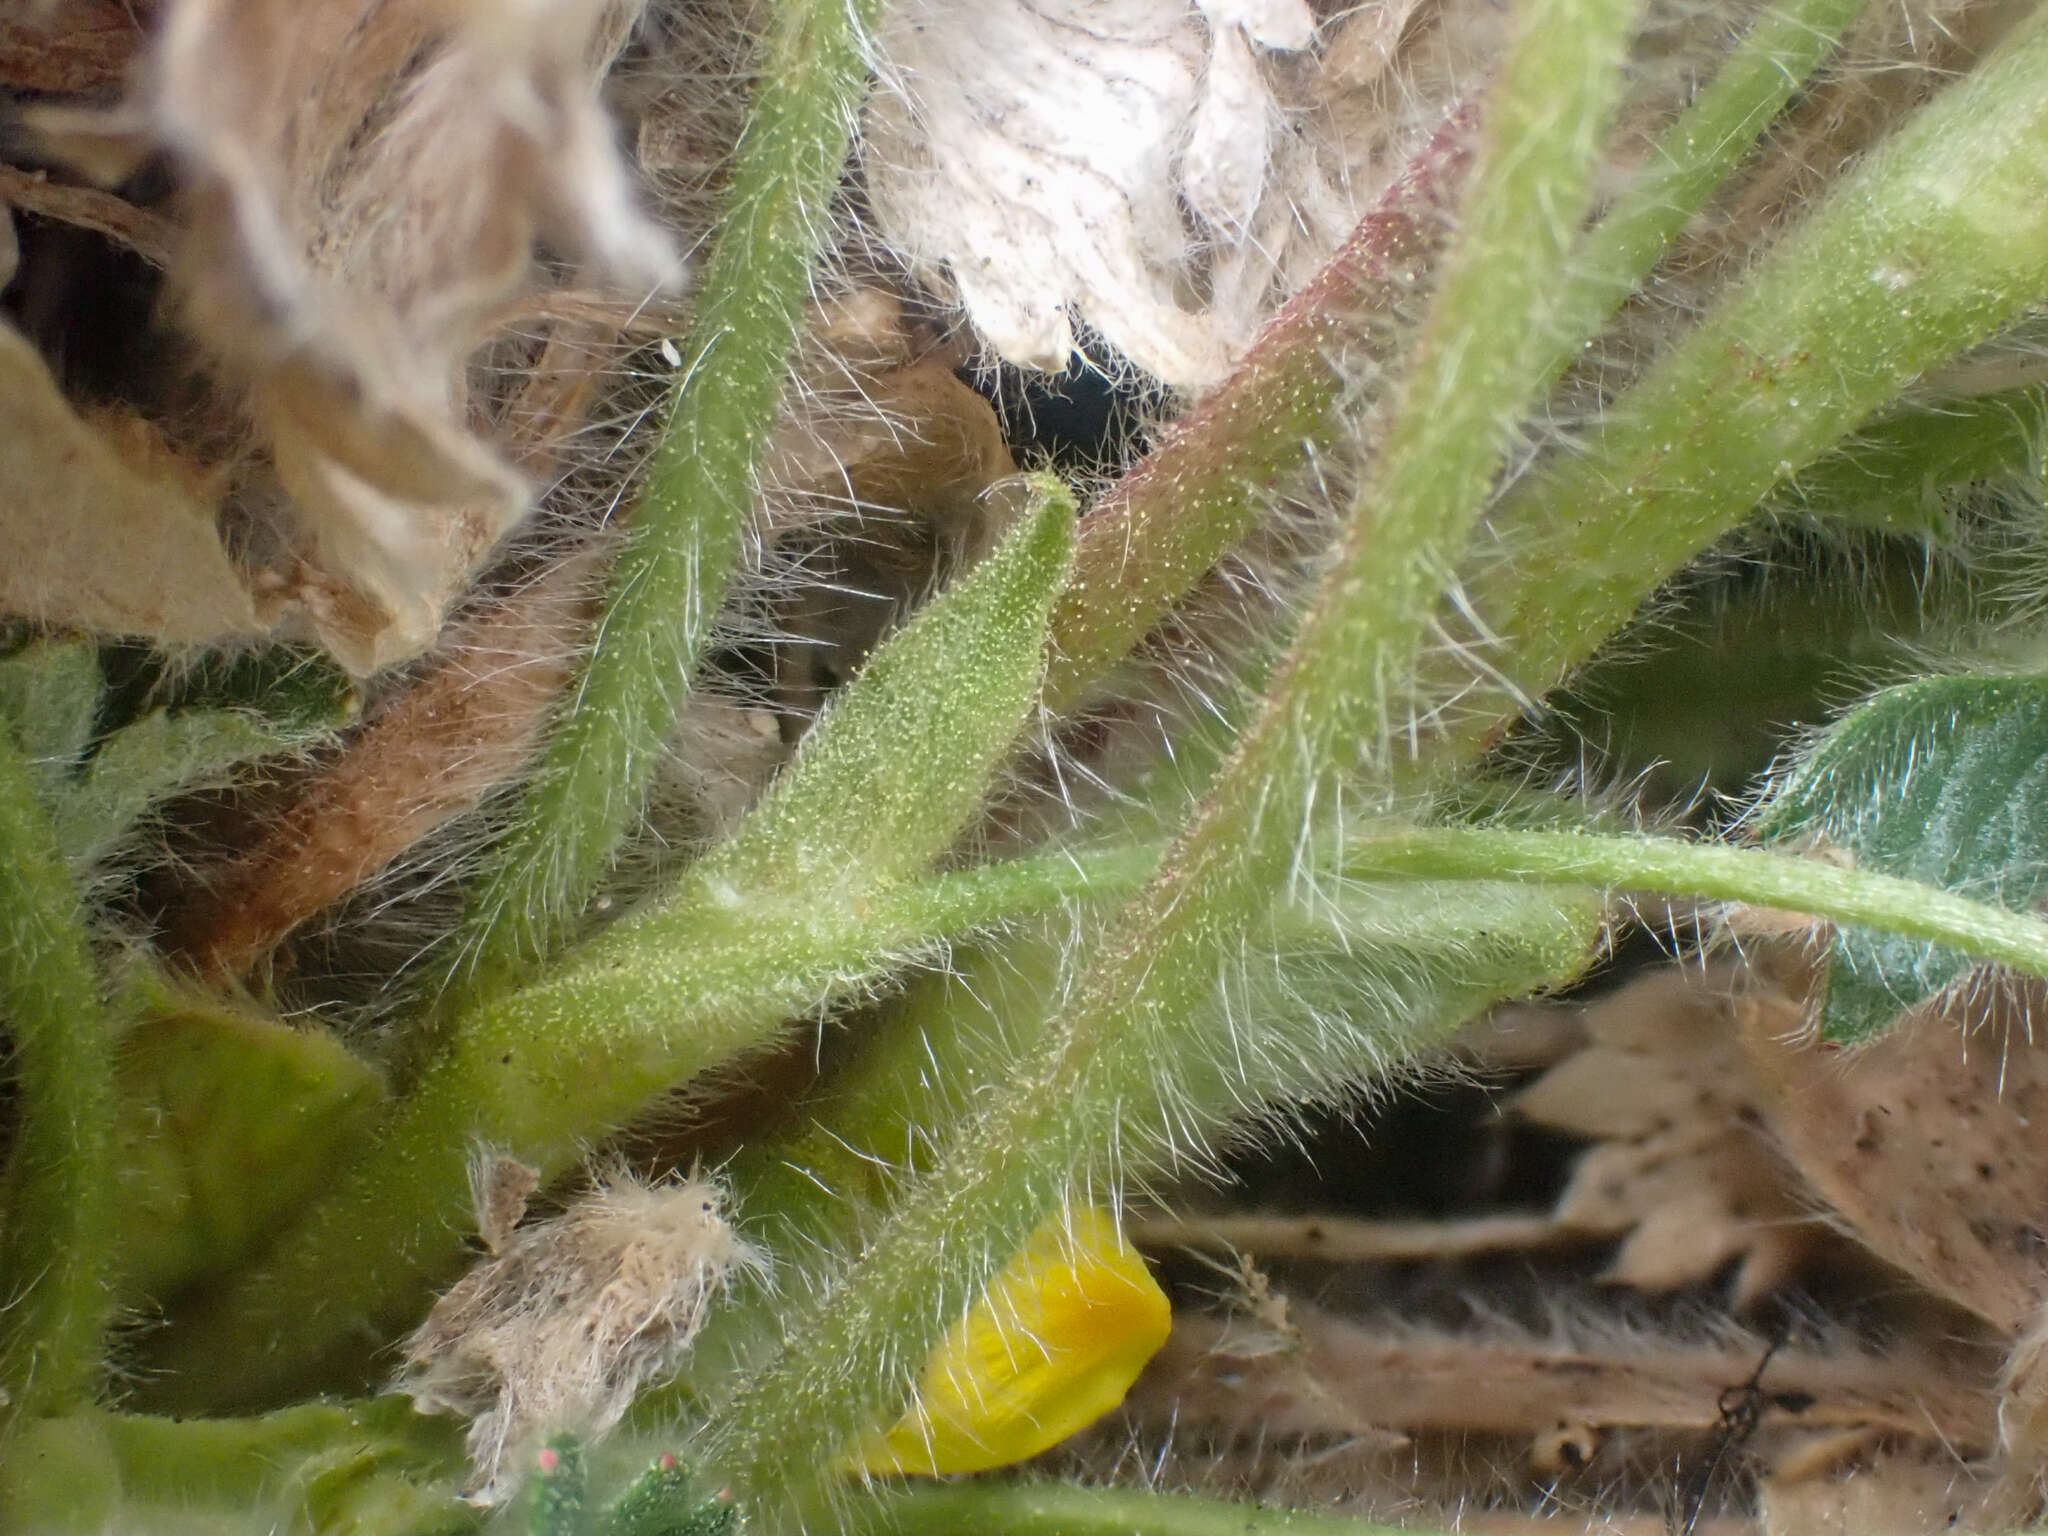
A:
49	694
229	1123
889	778
1944	781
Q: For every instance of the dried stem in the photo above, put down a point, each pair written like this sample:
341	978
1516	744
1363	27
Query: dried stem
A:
468	727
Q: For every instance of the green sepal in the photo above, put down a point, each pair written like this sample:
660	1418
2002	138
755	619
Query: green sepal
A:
666	1500
889	778
1943	781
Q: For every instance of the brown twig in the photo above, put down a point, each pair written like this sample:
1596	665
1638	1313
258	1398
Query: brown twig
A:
431	756
1402	1379
149	235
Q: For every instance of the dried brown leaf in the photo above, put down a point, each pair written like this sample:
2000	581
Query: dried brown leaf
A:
107	528
1931	1143
1684	1165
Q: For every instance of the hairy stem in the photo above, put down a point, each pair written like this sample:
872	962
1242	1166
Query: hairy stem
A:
548	1069
57	1262
689	527
1064	1509
1175	515
1674	868
1695	156
1131	1062
1937	241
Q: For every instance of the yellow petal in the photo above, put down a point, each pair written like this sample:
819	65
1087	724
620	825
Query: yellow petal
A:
1054	1344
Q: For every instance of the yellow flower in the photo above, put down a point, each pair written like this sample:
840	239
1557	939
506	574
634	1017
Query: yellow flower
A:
1054	1344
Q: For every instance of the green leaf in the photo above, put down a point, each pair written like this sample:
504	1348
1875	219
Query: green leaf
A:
49	697
887	780
161	754
1943	781
230	1123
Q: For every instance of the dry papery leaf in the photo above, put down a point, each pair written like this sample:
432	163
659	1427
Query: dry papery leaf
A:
107	527
1165	172
568	1319
1931	1142
1931	1145
1684	1163
366	183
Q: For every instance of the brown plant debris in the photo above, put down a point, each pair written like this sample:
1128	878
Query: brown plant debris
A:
1931	1143
1350	1240
71	47
1684	1169
145	232
429	756
107	527
570	1318
366	183
1345	1373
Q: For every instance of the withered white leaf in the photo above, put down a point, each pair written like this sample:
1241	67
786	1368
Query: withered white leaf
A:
570	1318
367	182
1036	154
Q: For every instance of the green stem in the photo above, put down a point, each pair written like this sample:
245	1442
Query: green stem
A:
548	1069
1132	1062
1174	516
57	1262
1694	156
1935	242
1065	1509
688	529
1752	876
1072	1510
